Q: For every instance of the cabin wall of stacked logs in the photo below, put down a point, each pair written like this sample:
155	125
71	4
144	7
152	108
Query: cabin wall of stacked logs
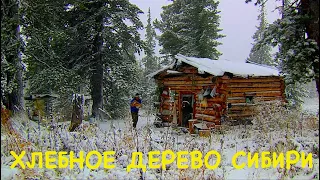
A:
192	83
231	90
261	89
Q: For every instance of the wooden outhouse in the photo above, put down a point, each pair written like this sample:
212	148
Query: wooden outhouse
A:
200	89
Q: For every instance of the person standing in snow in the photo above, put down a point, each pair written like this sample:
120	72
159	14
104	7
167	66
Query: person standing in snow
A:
135	105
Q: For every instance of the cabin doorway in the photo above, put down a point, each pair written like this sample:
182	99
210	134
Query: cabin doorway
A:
186	109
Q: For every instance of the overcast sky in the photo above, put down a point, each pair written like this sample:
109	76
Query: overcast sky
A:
238	21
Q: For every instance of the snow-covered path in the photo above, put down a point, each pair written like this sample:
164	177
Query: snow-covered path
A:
144	120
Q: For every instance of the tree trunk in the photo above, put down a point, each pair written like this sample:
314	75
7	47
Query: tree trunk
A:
311	8
317	86
14	100
97	74
19	77
77	112
96	88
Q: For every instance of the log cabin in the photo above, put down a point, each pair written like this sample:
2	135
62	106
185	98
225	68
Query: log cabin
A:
193	90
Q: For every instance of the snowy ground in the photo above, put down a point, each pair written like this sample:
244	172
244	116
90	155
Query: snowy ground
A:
118	135
311	105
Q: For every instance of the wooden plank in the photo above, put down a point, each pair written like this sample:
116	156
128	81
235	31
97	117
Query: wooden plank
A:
242	104
257	99
188	83
209	109
240	111
248	83
274	84
236	80
187	77
262	94
178	78
205	117
206	112
243	100
269	98
210	104
185	88
234	98
254	89
240	108
240	115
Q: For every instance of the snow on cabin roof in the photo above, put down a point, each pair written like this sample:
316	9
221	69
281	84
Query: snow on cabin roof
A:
219	67
161	70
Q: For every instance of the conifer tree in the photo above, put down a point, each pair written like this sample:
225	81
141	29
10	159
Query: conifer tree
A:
71	43
102	35
191	28
11	62
150	62
263	54
297	34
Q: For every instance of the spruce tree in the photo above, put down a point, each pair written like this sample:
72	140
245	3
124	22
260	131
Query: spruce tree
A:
120	83
297	33
103	35
48	40
263	54
191	28
150	62
70	44
11	62
298	56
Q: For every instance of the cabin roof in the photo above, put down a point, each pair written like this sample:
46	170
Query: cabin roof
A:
219	67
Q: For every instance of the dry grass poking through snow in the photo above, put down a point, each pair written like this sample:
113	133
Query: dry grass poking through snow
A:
274	129
279	129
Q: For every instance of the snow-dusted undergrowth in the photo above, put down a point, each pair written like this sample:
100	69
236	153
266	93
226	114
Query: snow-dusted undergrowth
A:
275	129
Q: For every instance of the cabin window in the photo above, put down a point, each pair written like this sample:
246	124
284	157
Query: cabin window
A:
249	99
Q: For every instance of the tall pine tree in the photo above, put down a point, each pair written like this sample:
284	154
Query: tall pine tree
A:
261	55
191	28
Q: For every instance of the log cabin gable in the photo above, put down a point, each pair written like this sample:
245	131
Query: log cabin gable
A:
187	69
